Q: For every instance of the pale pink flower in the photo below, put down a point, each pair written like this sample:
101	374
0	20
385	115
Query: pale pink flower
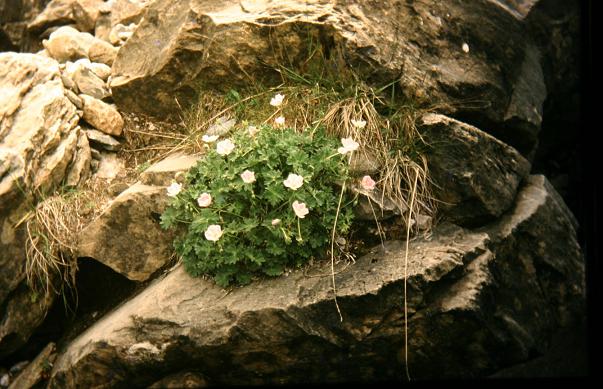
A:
252	130
225	147
276	222
349	145
358	123
204	200
174	189
367	183
277	100
209	138
279	120
294	181
213	232
248	177
300	209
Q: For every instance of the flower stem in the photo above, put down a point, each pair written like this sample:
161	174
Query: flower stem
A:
299	231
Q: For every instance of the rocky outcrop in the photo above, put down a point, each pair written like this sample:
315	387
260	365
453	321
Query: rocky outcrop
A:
37	124
37	370
80	13
14	16
127	236
120	16
441	52
39	142
120	237
69	44
466	296
475	175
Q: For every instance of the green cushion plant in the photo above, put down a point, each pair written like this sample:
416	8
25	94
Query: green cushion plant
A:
261	201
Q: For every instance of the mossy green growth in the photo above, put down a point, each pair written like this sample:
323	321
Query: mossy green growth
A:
259	230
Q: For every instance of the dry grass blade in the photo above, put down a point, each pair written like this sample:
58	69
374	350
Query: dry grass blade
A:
393	143
51	230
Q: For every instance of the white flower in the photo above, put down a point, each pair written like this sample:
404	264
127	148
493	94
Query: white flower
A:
209	138
276	222
248	176
367	183
213	232
358	123
279	120
204	200
348	145
465	47
300	209
174	189
252	130
294	181
277	100
225	147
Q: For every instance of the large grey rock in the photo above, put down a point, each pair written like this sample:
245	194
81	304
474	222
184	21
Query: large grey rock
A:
36	371
127	11
127	236
37	136
469	313
124	12
14	17
82	13
38	139
69	44
180	44
102	52
22	312
475	175
129	225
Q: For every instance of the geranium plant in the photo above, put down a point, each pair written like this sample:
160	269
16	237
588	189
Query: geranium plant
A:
260	201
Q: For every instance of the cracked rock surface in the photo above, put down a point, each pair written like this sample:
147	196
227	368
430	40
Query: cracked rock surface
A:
466	296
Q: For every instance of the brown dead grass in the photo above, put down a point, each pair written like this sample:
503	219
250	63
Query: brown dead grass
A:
52	228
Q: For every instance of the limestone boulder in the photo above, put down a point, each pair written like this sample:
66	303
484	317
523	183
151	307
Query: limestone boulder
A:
37	130
127	236
102	116
68	44
127	11
81	13
119	12
442	53
36	371
476	176
102	52
38	141
466	296
119	34
14	17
